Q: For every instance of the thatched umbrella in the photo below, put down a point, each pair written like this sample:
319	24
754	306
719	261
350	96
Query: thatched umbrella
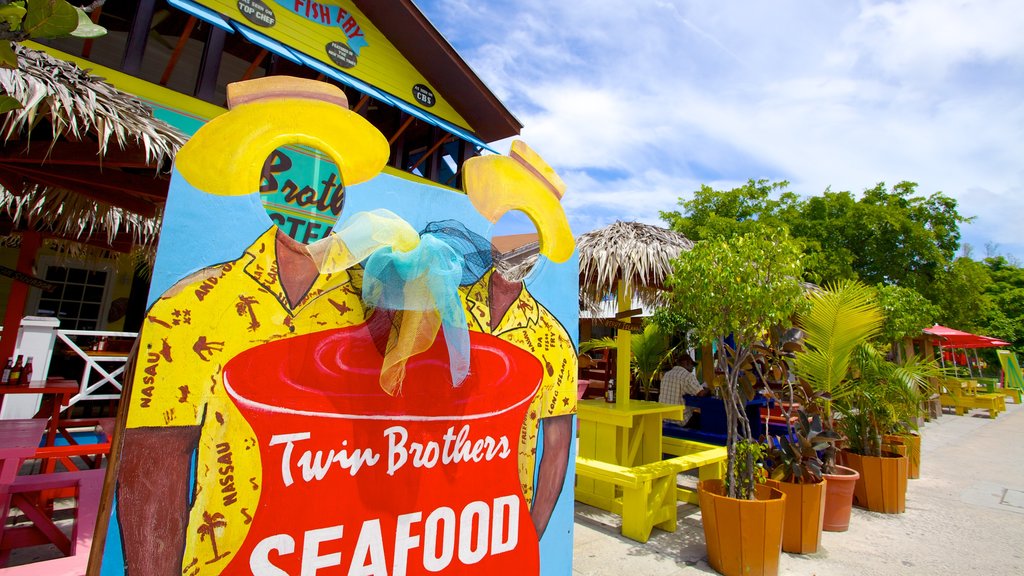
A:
628	256
632	261
80	162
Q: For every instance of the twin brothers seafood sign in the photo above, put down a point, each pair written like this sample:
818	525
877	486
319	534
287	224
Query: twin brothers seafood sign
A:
418	483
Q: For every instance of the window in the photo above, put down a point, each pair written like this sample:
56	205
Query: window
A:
78	298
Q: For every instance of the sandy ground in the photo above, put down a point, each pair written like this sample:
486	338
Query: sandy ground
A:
965	515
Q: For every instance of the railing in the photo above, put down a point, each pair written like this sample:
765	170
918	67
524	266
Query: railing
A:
108	366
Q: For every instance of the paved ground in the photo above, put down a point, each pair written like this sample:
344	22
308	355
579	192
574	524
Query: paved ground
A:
965	515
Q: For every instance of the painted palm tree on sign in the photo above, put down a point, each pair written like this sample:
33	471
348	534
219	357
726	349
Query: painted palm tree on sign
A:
211	522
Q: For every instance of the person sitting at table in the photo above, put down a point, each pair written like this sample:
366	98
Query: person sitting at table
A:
678	382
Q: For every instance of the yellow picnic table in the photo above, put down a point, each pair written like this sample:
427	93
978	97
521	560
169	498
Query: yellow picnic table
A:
620	466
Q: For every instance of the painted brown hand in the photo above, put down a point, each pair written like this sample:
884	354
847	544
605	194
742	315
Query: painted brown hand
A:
208	529
243	307
205	348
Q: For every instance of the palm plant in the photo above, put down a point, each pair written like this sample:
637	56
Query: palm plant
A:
886	399
840	318
650	352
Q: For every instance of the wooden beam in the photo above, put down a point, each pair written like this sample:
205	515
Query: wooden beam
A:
123	242
120	197
74	154
131	63
405	125
362	102
18	296
182	41
209	66
629	313
255	64
430	152
149	187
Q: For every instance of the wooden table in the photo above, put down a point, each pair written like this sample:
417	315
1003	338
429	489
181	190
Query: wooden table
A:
623	435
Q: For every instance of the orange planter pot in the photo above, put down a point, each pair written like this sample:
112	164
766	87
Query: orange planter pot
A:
913	445
744	537
883	482
839	488
805	515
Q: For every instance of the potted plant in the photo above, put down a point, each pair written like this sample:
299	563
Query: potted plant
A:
838	319
885	400
796	472
731	292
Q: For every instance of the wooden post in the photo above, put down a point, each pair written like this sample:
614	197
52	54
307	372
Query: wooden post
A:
624	354
707	366
908	347
30	243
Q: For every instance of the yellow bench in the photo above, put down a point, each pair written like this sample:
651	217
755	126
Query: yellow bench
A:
961	400
707	458
646	495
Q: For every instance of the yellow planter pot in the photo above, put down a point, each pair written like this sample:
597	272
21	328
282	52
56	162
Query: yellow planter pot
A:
805	514
744	537
882	486
912	442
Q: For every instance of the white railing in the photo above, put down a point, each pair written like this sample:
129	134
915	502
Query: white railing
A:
108	366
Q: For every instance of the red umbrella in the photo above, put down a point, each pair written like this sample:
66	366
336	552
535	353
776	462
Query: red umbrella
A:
951	338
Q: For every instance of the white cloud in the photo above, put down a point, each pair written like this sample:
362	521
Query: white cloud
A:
639	103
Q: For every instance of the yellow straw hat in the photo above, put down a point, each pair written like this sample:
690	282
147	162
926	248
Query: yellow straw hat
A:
226	156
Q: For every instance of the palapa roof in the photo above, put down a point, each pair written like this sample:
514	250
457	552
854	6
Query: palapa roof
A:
639	254
81	161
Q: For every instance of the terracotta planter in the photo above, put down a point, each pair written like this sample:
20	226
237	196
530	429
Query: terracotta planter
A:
805	513
839	489
913	445
883	482
744	537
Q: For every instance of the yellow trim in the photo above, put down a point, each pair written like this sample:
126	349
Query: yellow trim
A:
163	97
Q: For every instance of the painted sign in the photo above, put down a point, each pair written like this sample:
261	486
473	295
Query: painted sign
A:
27	279
338	34
297	403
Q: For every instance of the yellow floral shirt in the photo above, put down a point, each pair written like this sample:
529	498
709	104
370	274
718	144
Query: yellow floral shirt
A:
188	336
530	326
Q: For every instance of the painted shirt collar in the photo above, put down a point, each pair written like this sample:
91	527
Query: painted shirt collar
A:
263	268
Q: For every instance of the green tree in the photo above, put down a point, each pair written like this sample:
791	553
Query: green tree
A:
906	312
738	287
959	292
888	236
724	214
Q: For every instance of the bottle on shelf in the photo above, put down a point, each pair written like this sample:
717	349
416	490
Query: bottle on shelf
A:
15	376
609	392
6	378
26	373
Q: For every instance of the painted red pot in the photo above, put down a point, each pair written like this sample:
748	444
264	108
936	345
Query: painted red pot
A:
422	482
839	488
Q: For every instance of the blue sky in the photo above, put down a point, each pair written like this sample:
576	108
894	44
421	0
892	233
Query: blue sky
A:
637	104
